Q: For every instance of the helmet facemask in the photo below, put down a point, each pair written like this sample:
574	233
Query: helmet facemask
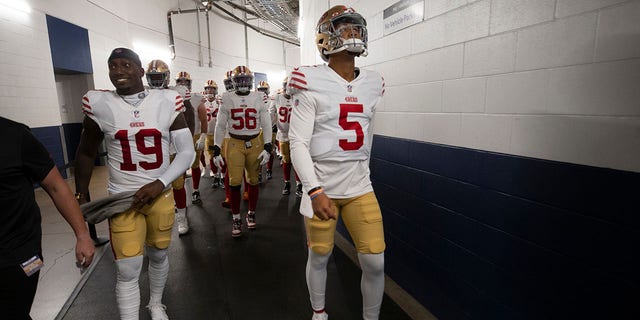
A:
243	83
331	32
210	93
157	80
157	74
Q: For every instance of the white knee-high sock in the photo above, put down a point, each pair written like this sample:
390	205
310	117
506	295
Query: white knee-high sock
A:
158	271
317	278
127	288
371	284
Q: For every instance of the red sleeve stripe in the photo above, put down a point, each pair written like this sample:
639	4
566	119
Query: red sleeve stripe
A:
87	112
86	106
180	108
293	85
85	98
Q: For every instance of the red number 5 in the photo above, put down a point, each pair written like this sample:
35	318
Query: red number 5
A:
345	109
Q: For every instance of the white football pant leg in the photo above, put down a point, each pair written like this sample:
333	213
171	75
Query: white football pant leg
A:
371	284
127	288
158	271
317	278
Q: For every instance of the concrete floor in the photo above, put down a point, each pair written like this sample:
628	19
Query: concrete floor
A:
63	293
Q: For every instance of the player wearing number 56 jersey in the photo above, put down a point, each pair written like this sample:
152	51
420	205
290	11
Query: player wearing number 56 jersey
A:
330	135
242	114
137	126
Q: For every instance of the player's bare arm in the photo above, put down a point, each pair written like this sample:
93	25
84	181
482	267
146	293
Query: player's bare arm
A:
90	139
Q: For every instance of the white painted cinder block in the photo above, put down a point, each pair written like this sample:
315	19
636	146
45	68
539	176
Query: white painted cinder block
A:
411	125
560	43
513	14
438	7
597	141
492	55
439	64
385	123
486	132
467	23
464	95
619	32
428	35
570	7
518	93
609	89
423	97
440	128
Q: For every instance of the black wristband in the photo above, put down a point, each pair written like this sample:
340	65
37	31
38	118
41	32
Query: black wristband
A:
268	147
313	190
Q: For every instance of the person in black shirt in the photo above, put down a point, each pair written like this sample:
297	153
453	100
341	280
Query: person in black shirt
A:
23	162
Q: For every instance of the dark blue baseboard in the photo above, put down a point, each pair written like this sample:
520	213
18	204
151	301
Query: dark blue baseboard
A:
481	235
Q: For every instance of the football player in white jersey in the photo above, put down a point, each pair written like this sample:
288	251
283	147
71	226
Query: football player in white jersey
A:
330	135
282	111
229	88
137	126
242	114
263	87
158	77
199	140
211	103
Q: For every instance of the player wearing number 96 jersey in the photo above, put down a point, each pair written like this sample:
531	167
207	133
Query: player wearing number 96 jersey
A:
137	126
330	135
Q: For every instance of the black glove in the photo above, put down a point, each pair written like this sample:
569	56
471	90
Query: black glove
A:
274	128
268	147
216	151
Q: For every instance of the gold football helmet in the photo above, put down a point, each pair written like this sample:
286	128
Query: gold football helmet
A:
183	78
210	89
338	21
263	86
158	74
228	81
242	79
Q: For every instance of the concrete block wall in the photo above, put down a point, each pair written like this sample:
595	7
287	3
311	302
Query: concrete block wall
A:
26	58
549	79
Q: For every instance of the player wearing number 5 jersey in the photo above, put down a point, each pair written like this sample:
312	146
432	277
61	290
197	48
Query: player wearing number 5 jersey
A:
242	114
330	135
137	126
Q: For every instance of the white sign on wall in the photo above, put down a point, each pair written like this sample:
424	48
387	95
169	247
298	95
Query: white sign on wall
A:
402	14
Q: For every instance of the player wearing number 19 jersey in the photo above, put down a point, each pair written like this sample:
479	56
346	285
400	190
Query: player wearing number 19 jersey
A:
331	134
137	126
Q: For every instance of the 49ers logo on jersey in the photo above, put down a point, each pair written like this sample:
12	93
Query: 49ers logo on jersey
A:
135	123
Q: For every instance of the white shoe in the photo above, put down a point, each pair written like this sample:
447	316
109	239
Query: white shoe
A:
320	316
182	221
157	312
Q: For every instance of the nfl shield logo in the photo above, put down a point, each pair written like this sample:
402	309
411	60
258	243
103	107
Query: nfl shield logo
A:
136	113
295	103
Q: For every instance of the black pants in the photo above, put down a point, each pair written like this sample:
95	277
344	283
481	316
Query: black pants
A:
17	292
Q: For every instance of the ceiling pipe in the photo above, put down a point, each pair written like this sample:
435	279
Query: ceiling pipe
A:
209	38
172	44
256	29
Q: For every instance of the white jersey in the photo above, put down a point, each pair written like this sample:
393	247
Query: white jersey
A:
282	111
331	128
137	138
212	114
243	115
